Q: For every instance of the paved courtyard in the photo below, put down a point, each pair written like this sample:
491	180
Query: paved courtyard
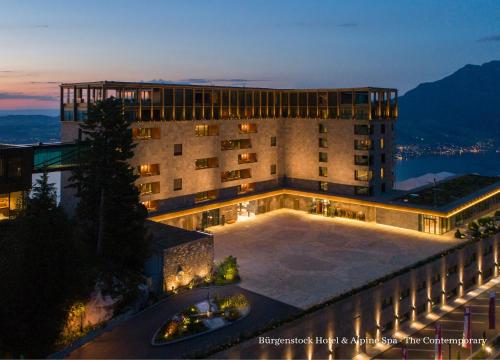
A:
302	259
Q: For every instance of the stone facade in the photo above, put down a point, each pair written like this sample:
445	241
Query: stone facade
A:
187	262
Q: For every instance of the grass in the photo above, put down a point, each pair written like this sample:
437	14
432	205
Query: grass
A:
448	191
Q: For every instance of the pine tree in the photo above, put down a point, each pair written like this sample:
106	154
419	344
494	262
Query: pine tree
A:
42	273
109	212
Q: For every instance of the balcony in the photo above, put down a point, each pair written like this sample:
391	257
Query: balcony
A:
247	158
207	163
236	144
235	175
363	144
247	128
145	133
149	188
148	170
246	188
363	175
362	160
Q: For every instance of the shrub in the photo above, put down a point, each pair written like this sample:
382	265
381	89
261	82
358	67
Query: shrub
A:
484	221
227	271
473	225
238	301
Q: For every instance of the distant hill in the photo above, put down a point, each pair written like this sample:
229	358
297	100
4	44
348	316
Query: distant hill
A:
462	108
26	129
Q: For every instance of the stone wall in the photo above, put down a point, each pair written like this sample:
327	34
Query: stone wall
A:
183	263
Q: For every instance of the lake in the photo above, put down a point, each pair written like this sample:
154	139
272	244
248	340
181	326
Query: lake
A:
486	163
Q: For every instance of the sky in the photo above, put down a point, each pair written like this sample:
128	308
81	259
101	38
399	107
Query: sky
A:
271	43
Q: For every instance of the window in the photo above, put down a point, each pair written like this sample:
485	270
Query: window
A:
247	128
322	143
177	149
323	185
362	175
247	158
381	173
363	160
382	128
236	144
245	188
148	170
387	302
207	163
145	133
382	158
382	143
206	130
205	196
273	140
273	169
404	294
363	190
323	171
323	157
363	144
363	129
322	129
177	184
149	188
235	175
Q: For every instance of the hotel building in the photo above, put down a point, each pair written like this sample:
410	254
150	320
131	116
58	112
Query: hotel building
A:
207	155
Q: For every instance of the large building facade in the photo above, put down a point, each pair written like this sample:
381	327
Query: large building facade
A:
202	144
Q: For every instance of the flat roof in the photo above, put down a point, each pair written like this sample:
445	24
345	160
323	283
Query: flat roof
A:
107	83
166	236
451	192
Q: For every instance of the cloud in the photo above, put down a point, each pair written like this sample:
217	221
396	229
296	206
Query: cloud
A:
21	26
45	82
6	71
23	96
492	38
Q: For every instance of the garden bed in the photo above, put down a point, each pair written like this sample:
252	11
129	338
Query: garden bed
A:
201	318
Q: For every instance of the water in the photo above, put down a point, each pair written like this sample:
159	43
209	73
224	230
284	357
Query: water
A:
487	163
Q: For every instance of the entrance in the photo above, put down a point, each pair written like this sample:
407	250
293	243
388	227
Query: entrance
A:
210	218
430	224
246	210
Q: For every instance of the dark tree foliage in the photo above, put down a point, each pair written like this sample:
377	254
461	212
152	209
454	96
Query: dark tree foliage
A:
110	216
40	275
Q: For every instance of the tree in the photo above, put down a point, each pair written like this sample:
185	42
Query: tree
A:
109	213
40	272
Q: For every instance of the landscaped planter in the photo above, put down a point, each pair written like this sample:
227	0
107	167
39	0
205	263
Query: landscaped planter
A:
201	318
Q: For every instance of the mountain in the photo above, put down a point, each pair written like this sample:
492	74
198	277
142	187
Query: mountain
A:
461	109
26	129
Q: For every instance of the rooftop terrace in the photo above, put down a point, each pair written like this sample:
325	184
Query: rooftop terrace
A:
449	190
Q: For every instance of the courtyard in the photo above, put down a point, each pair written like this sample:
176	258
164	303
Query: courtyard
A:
302	259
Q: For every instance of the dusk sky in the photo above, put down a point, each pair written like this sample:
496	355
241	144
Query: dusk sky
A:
251	43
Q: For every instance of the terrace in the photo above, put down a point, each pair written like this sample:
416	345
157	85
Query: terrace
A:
449	191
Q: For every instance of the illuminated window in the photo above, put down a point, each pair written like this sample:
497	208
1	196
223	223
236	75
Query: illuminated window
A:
205	196
207	163
362	175
245	188
382	143
247	158
322	129
206	130
247	128
323	185
149	188
322	143
381	173
145	133
149	169
363	144
323	171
